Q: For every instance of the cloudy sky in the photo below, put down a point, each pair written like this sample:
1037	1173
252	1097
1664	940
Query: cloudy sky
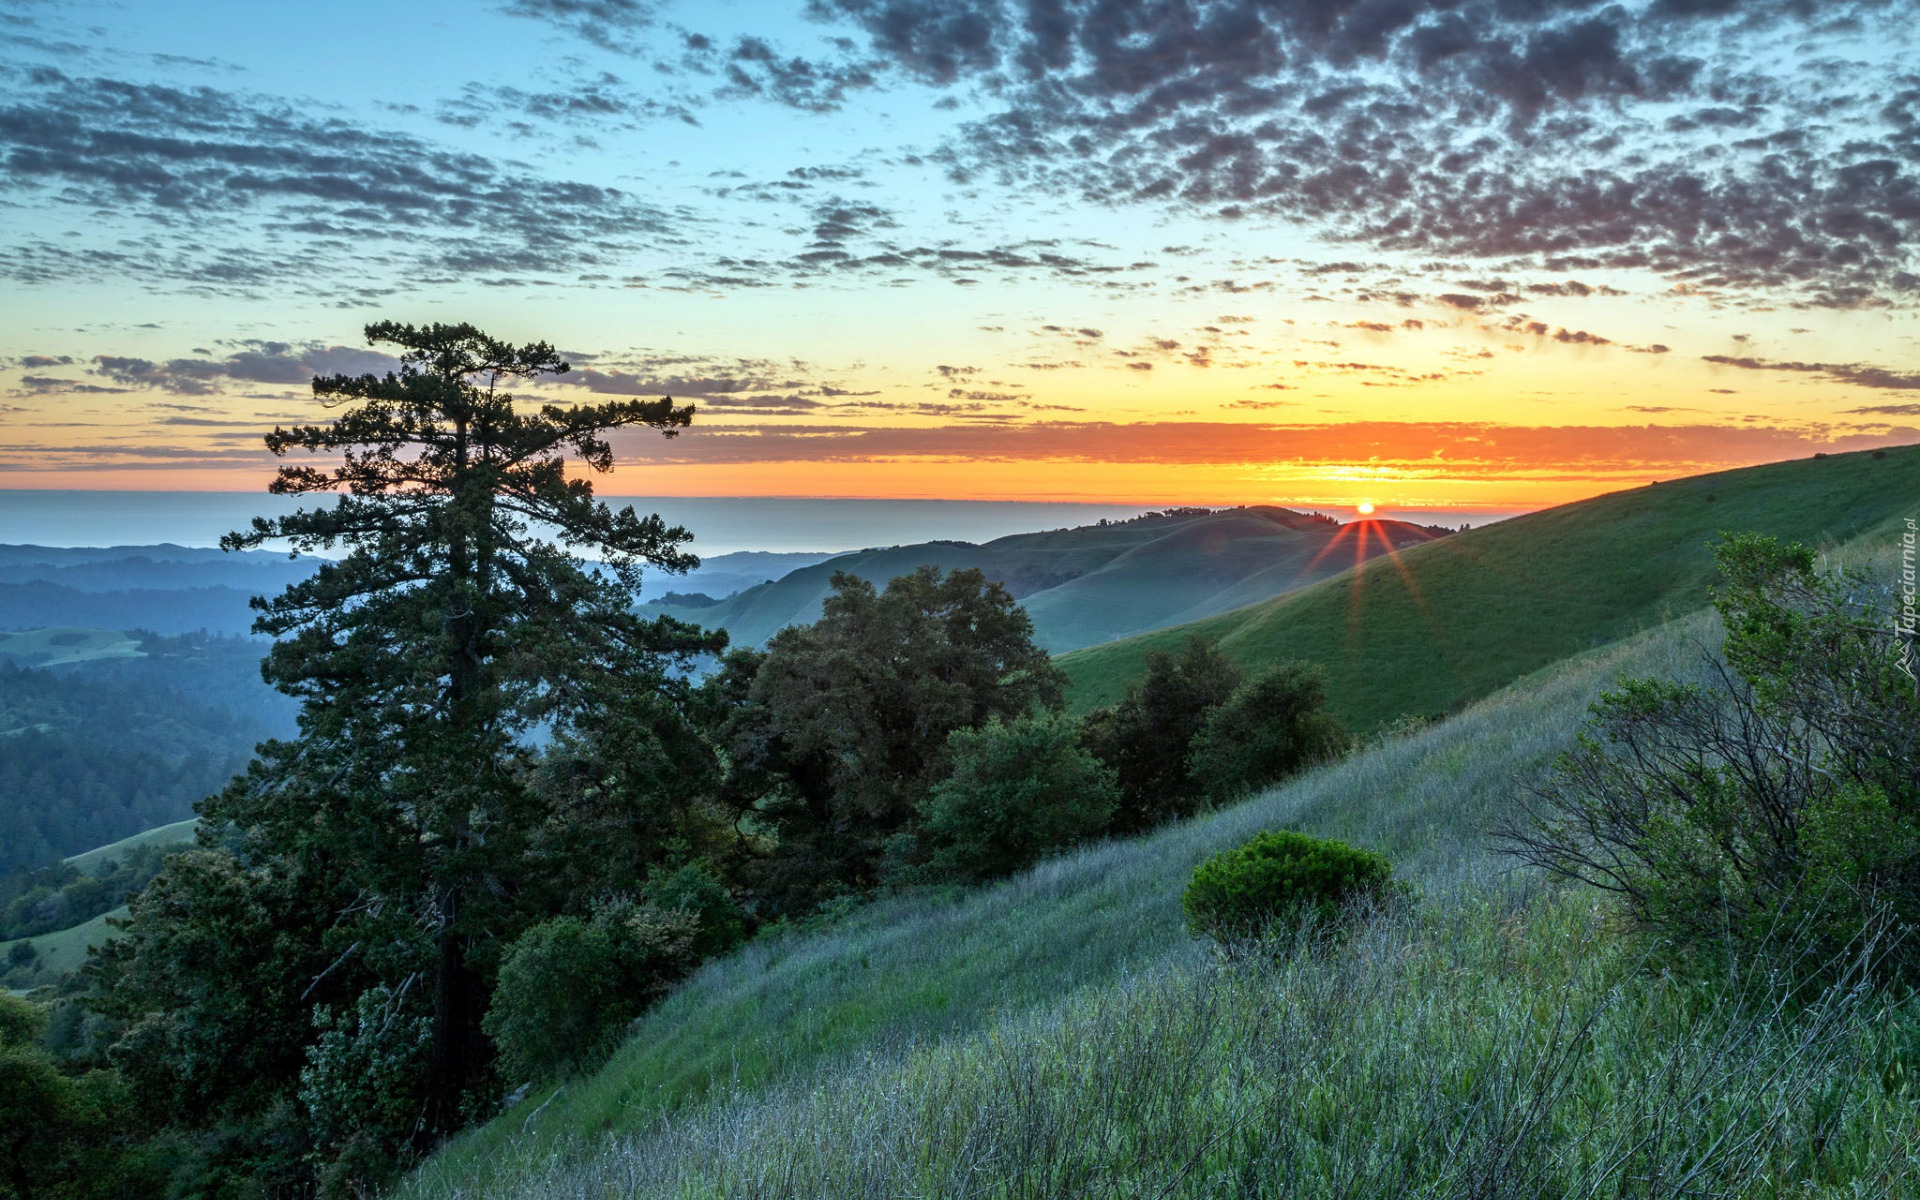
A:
1471	253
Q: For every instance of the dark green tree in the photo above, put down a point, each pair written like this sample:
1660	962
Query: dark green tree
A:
458	626
843	726
1276	725
1147	738
1018	791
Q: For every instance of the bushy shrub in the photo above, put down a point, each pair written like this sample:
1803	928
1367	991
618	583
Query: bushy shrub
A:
1018	791
569	986
720	923
361	1088
1773	812
1276	725
1278	877
1148	737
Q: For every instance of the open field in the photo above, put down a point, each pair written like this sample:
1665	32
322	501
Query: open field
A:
66	949
164	835
65	645
1425	631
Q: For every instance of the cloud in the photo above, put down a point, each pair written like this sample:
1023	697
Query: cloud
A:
255	362
603	102
1857	374
195	163
41	385
1420	449
754	69
1539	135
608	23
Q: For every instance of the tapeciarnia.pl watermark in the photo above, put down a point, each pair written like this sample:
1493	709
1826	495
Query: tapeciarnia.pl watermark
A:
1907	617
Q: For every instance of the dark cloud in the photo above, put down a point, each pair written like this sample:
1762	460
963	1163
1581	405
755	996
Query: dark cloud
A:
754	69
40	385
608	23
255	362
193	161
1857	374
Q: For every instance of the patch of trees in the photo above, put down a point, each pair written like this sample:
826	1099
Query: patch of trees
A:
91	757
512	814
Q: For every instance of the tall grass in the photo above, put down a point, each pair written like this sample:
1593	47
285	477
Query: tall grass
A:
1501	1048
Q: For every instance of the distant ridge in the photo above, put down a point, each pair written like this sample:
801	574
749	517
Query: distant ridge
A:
1441	624
1091	583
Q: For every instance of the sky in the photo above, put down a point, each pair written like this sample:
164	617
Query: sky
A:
1438	254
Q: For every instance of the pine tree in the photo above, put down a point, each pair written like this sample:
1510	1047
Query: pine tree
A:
456	627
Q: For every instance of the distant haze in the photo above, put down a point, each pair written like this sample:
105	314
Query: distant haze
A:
719	526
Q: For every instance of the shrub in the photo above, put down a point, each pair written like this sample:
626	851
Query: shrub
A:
1771	812
569	986
1276	725
361	1087
1017	792
720	923
1280	876
1148	737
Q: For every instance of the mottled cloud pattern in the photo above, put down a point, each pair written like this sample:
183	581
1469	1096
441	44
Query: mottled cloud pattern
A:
332	189
1763	145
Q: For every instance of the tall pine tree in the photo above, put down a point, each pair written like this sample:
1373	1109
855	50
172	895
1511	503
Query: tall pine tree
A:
458	625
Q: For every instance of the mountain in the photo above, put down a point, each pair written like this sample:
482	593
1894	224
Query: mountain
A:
164	588
721	575
1428	629
1092	583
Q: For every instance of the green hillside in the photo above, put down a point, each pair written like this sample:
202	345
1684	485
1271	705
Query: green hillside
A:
1060	1034
57	953
164	835
1090	584
914	968
1429	629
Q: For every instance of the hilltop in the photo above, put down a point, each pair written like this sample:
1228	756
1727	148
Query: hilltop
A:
1093	583
1438	624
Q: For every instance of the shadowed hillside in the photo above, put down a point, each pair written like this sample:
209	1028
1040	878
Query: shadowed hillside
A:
1427	630
1094	583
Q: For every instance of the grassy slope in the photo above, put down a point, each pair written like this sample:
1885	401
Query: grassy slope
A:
914	969
62	646
1127	577
1492	1039
65	950
164	835
1453	620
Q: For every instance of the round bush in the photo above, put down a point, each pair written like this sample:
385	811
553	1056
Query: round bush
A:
1280	876
569	986
1019	791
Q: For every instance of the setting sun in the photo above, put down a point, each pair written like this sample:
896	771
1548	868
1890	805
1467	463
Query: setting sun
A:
1365	509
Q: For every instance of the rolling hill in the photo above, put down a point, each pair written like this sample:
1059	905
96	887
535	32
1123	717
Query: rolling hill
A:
1093	583
1439	624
